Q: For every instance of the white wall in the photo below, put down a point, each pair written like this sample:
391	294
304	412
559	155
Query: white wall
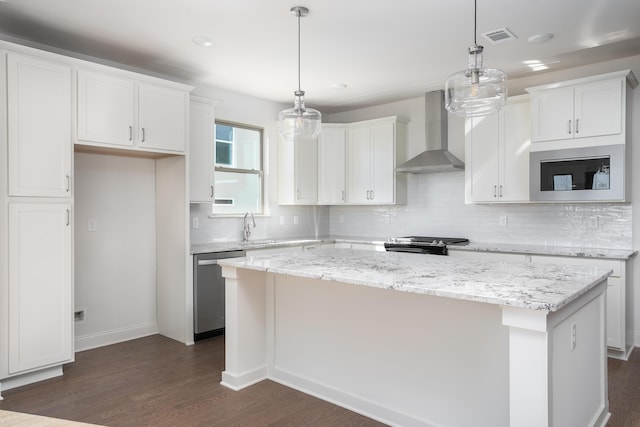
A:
115	266
278	221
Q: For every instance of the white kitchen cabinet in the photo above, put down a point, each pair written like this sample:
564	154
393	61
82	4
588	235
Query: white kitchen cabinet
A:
105	108
619	309
332	165
40	328
202	152
497	147
39	126
371	161
127	110
162	117
620	339
587	112
297	172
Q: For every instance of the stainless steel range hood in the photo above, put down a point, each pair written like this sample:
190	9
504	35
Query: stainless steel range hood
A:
438	159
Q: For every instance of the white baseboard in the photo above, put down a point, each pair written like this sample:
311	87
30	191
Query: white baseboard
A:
114	336
349	401
31	377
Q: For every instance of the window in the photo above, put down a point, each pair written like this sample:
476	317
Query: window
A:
238	169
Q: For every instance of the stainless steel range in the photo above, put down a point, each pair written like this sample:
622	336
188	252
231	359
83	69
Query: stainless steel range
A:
423	244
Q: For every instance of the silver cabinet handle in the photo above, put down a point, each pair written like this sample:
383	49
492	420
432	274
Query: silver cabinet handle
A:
569	127
68	183
373	195
130	133
143	136
68	217
343	195
500	193
577	125
495	191
211	191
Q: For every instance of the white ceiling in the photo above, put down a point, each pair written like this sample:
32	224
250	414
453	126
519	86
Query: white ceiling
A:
382	50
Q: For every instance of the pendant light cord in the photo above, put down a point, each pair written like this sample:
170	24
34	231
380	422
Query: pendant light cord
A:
299	85
475	22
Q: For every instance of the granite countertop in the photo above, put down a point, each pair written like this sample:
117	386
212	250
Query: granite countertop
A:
586	252
619	254
532	286
224	246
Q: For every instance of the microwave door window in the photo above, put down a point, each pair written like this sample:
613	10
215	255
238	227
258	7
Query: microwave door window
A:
575	174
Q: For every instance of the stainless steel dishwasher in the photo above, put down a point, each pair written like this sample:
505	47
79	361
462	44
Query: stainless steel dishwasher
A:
208	293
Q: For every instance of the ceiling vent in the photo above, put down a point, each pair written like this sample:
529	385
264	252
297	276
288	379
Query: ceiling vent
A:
500	36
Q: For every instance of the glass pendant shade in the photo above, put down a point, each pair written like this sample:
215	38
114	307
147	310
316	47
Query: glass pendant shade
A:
476	91
299	122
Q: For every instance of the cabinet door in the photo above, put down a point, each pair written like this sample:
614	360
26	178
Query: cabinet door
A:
105	108
483	150
306	172
161	117
615	314
39	127
359	165
552	114
40	286
201	152
598	108
331	166
515	138
383	163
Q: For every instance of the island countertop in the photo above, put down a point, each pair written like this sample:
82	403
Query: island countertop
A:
532	286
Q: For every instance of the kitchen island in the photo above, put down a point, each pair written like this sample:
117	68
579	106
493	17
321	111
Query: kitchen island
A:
422	340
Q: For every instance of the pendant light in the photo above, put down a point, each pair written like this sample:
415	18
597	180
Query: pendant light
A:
299	122
476	91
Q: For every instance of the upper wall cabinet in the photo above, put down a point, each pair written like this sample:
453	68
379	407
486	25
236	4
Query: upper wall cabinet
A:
497	153
39	127
202	154
371	161
297	172
115	109
580	113
350	163
332	165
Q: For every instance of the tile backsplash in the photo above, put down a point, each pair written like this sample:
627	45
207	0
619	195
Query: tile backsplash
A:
435	207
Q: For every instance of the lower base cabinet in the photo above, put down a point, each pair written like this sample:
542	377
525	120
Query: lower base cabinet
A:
619	298
40	313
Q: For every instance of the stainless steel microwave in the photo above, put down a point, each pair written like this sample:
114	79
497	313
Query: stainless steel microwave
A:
578	174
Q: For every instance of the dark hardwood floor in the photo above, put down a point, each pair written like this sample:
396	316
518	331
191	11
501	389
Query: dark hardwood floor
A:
155	381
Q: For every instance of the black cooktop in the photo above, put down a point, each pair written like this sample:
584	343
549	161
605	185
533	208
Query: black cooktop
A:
423	244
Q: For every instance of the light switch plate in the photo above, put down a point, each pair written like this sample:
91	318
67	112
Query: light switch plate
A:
92	225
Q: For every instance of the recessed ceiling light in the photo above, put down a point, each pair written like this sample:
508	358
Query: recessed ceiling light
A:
540	38
202	41
338	86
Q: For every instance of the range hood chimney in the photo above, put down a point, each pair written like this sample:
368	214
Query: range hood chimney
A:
440	159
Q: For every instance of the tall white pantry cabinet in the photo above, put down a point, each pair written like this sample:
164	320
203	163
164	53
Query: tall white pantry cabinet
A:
52	106
36	257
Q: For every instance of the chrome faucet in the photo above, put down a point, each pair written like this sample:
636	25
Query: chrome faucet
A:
246	231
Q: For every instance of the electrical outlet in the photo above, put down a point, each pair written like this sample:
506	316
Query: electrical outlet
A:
281	220
78	315
195	222
295	219
92	225
503	221
573	336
